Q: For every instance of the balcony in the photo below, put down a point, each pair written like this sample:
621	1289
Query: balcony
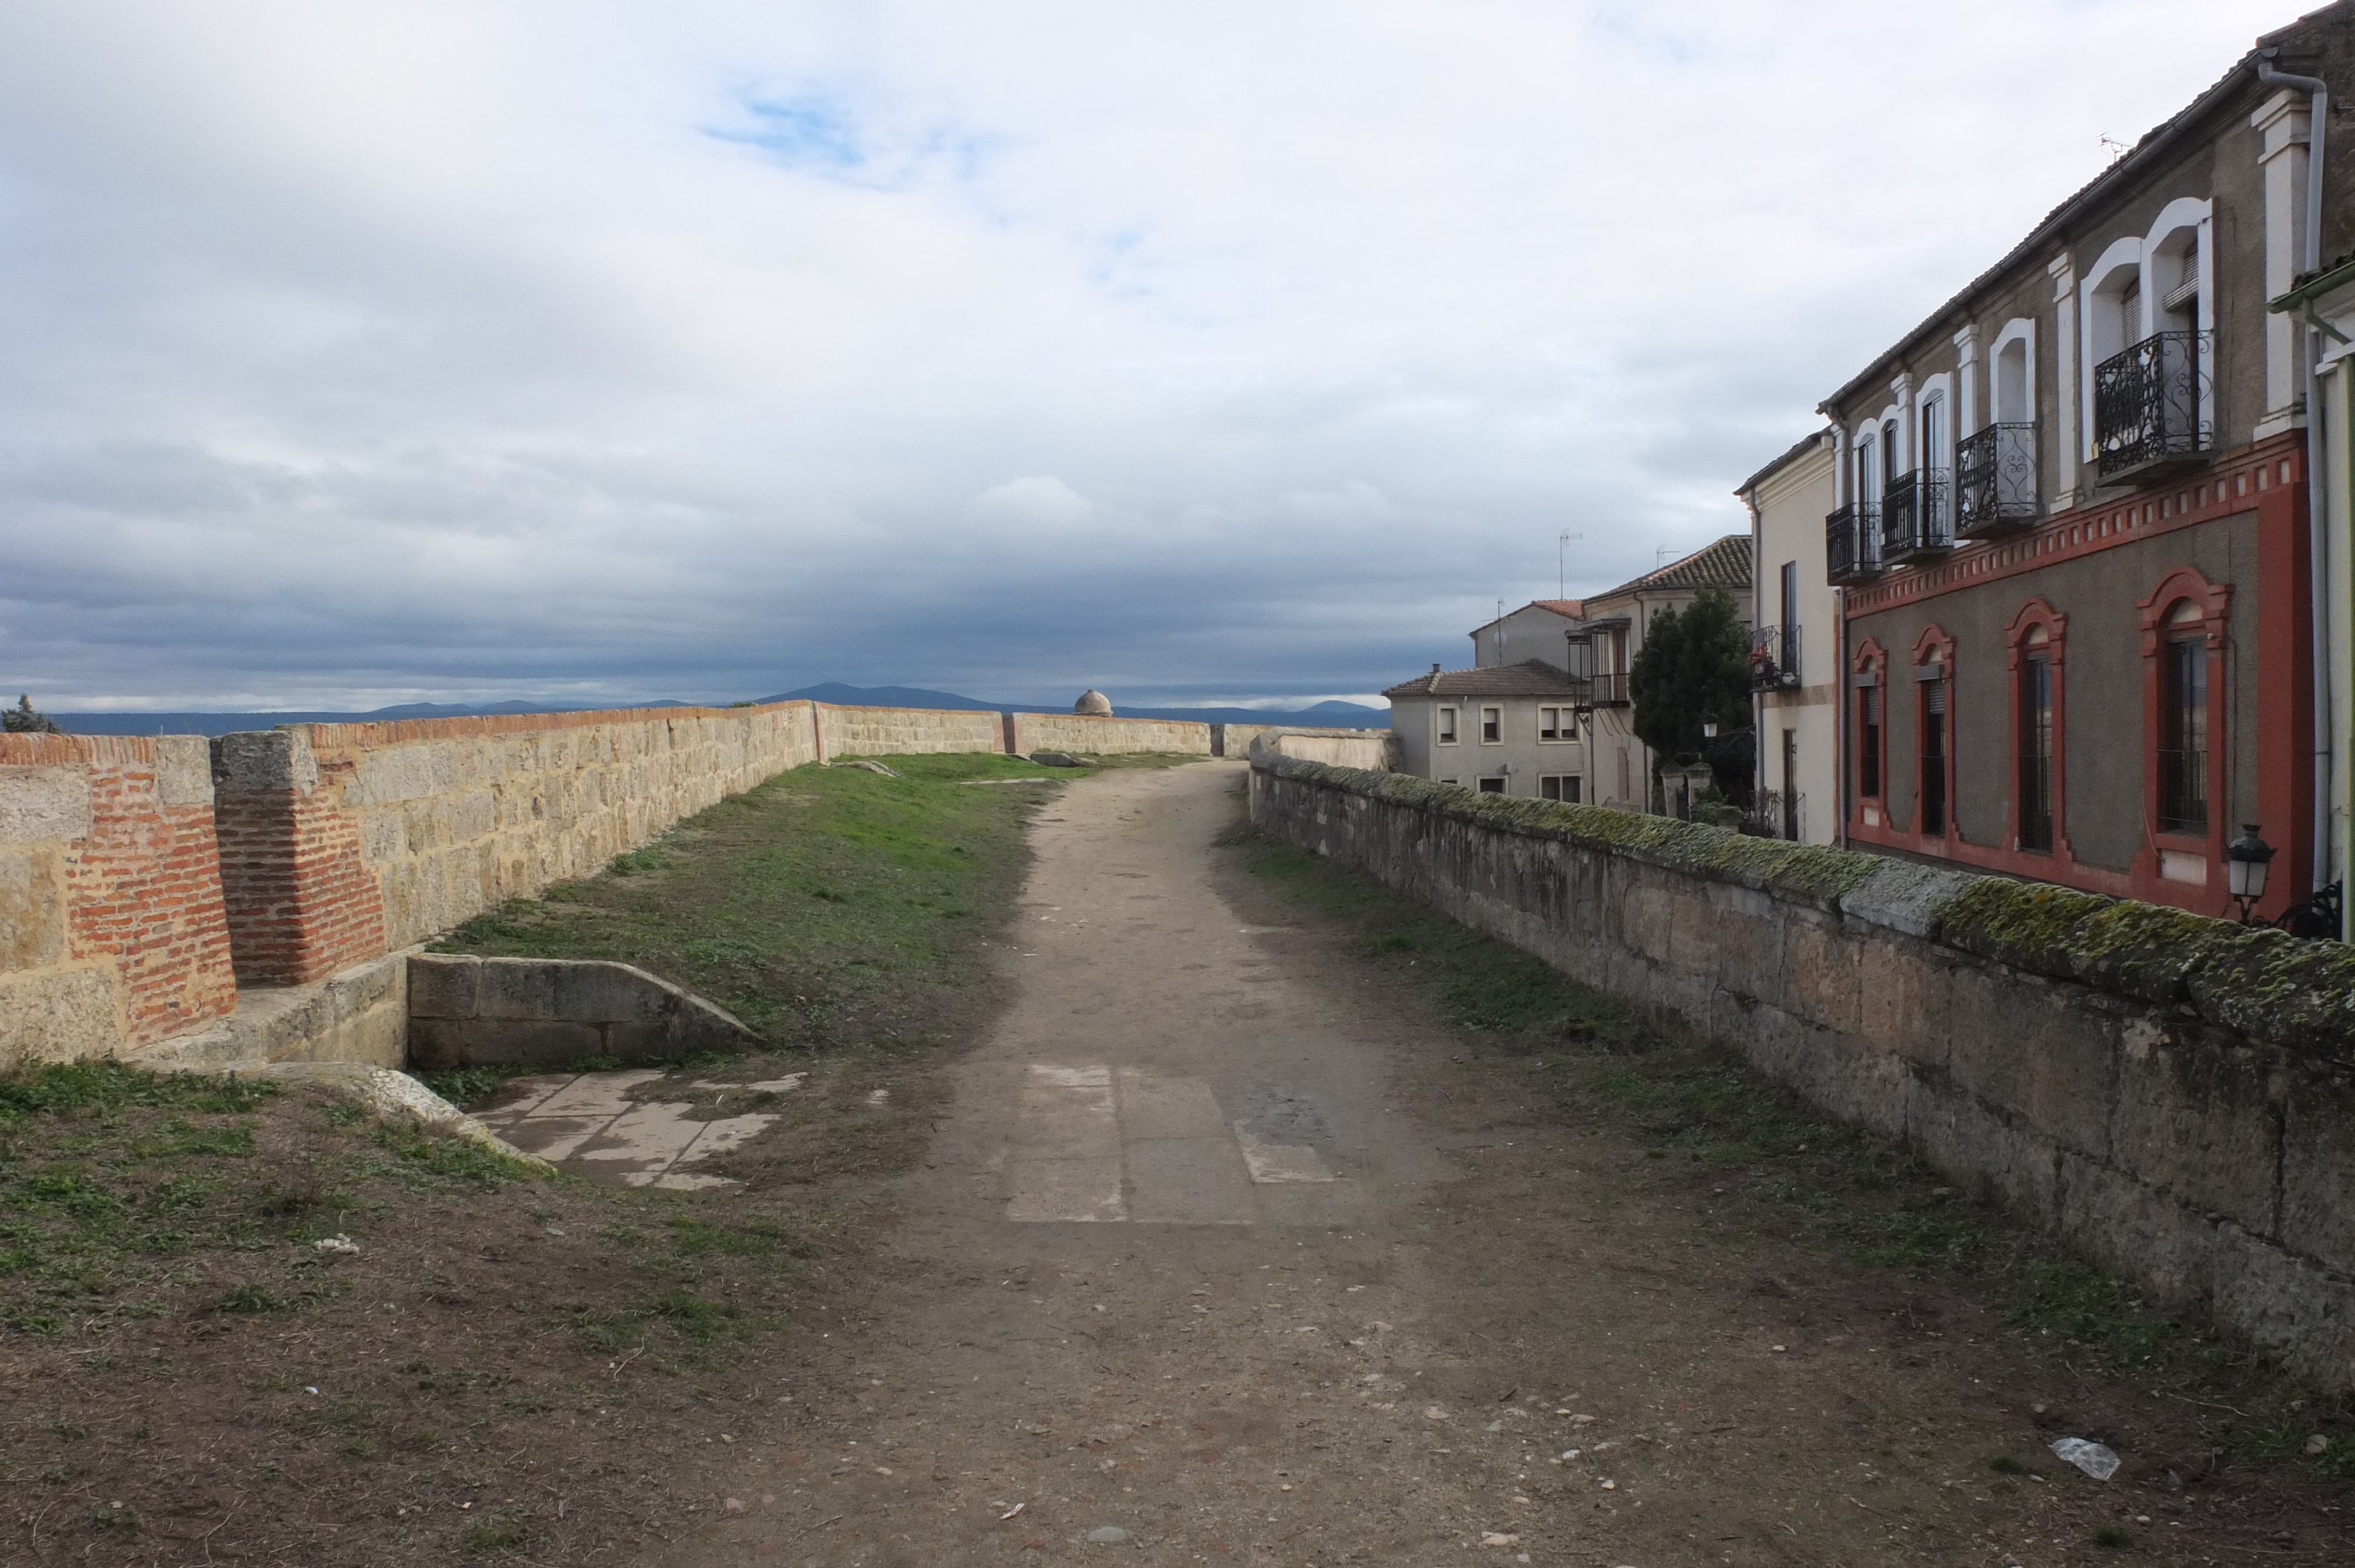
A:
2151	408
1599	691
1773	658
1914	520
1852	543
1995	480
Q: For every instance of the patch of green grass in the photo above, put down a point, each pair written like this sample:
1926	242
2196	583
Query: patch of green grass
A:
829	906
500	1532
2005	1464
112	1178
2112	1535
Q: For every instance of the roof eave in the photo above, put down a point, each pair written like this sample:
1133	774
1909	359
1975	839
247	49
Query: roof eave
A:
2145	153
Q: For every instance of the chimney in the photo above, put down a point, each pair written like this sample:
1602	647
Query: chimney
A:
1434	669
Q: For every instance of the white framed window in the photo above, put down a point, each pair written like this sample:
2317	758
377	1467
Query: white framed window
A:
1492	727
1557	724
1567	786
1447	728
2012	381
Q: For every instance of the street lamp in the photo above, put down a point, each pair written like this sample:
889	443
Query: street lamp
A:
1708	725
2244	868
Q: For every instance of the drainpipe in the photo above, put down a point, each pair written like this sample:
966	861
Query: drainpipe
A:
2318	515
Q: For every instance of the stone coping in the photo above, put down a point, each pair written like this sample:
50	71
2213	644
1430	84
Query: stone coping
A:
2255	980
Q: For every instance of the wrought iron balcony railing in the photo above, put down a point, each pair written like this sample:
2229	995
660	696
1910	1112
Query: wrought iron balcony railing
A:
1773	658
2151	406
1599	691
1995	480
1913	520
1852	543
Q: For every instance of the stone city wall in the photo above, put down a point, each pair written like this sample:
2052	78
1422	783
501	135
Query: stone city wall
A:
1374	750
1092	735
1235	739
111	925
2171	1093
904	732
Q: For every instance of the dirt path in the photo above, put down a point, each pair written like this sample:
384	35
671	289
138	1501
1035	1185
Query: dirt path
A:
1219	1257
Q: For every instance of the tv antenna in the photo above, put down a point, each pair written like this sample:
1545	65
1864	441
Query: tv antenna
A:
2117	149
1568	538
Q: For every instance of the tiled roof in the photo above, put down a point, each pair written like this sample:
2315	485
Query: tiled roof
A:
1529	678
1725	564
1570	608
1799	448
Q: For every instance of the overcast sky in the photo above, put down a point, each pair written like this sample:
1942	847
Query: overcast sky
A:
354	353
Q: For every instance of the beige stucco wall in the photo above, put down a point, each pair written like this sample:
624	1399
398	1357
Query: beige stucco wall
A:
1792	504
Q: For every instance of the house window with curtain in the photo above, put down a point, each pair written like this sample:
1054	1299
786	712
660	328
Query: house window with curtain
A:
2036	742
2183	723
1936	730
1867	743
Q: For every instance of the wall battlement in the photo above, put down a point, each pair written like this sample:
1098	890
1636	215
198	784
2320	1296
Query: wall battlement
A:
2171	1093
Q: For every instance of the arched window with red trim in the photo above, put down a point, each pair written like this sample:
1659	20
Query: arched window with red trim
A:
1870	752
2184	623
1933	725
2035	637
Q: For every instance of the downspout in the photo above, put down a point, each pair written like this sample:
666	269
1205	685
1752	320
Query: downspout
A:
1757	698
2318	548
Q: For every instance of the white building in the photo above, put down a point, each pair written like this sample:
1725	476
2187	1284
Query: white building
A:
1615	624
1510	729
1794	658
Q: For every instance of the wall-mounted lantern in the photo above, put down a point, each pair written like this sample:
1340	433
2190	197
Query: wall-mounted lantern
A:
1708	725
2244	868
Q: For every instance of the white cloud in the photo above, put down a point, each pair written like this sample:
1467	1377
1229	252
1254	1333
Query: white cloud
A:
1042	501
434	347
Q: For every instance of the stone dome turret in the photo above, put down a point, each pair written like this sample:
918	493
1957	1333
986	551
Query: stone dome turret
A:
1094	703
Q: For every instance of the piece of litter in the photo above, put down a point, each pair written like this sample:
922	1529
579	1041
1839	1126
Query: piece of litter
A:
312	1390
733	1505
1009	1513
1780	1349
1570	1453
1499	1538
343	1246
1110	1535
1610	1486
2094	1458
879	1097
2316	1445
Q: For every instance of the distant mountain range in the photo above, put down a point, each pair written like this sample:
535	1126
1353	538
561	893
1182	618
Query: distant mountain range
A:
1328	714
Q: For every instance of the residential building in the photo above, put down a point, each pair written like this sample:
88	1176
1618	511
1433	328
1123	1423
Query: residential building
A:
2324	304
1794	649
1538	629
2070	523
1613	628
1506	729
